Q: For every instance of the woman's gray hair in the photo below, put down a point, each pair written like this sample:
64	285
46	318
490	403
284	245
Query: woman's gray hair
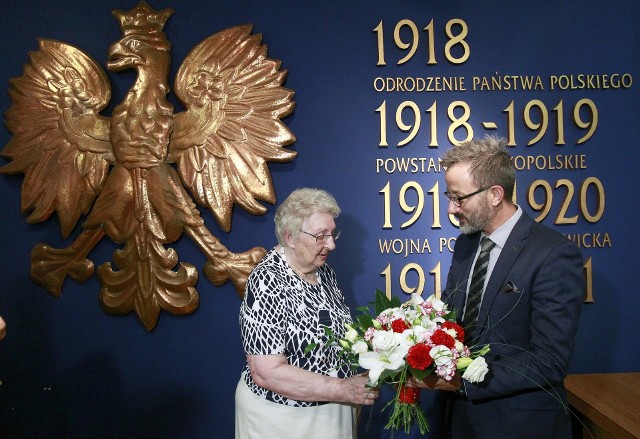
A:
300	205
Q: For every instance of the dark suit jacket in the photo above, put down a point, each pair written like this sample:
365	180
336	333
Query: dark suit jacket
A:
529	315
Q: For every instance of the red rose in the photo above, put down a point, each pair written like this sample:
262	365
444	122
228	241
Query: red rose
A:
440	337
399	326
418	356
459	330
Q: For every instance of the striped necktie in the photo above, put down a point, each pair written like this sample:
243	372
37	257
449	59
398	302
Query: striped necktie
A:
474	298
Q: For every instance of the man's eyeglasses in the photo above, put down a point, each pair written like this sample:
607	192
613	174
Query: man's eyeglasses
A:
323	238
457	201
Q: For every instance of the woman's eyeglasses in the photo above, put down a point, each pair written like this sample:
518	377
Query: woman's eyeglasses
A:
323	238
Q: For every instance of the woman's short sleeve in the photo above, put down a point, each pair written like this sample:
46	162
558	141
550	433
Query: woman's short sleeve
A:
262	314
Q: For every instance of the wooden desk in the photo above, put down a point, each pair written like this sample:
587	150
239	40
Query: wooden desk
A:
609	403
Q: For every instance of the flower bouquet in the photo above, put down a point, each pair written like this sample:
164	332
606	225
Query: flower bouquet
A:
410	340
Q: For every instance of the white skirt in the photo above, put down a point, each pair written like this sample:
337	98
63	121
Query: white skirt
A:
258	418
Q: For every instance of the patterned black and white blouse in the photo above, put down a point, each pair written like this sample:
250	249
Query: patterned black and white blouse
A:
282	314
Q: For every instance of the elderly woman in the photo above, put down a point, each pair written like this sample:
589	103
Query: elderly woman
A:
291	297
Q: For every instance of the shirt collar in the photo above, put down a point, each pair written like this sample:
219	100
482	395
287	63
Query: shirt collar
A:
500	235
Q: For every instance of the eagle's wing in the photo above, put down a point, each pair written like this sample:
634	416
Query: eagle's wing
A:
59	142
231	127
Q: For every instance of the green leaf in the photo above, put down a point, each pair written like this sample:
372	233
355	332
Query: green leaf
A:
365	322
420	374
451	316
382	302
328	332
389	376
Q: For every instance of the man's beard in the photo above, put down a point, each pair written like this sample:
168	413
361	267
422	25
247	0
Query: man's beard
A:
477	220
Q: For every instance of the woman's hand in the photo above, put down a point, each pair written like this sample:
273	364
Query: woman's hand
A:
274	373
355	390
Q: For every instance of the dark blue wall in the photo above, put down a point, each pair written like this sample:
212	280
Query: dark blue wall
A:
70	370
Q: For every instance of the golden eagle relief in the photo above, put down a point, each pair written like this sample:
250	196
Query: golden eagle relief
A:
133	175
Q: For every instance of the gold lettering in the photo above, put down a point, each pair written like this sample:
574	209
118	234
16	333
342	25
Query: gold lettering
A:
408	165
582	81
427	84
507	83
567	162
405	246
591	240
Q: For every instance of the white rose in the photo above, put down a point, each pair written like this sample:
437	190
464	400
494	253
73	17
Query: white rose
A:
476	370
385	340
360	347
441	355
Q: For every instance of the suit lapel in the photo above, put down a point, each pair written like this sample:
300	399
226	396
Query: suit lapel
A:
460	296
512	249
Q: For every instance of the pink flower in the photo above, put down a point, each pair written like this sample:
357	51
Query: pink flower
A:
368	336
